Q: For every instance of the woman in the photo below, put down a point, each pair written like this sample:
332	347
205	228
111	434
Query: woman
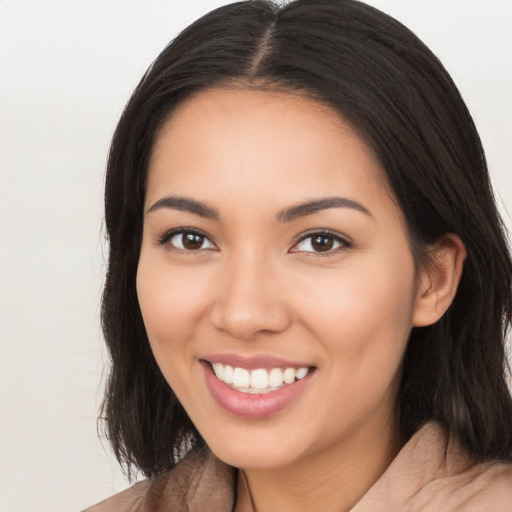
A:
309	285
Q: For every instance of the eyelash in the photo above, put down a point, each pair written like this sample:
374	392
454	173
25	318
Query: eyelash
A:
343	242
168	235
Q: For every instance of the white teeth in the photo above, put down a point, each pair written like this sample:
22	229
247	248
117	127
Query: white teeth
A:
255	391
289	375
241	378
301	373
259	380
219	370
275	377
228	374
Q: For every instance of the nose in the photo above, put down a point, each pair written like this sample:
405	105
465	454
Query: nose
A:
250	300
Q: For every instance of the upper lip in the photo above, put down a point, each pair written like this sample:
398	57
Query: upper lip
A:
253	362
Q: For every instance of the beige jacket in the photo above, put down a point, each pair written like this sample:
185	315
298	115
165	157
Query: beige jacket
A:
428	475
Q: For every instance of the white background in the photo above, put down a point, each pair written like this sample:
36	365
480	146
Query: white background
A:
66	69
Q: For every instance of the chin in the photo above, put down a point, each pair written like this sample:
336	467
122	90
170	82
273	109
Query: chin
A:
261	448
254	458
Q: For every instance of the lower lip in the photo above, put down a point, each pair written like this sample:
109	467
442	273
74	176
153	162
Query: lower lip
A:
246	405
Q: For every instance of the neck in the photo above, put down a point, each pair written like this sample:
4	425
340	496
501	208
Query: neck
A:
334	480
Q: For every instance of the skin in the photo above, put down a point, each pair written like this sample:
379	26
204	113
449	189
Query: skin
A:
252	288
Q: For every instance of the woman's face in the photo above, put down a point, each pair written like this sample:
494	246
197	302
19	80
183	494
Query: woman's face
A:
274	252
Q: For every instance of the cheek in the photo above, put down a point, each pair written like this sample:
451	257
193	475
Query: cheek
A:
360	296
364	331
173	302
363	314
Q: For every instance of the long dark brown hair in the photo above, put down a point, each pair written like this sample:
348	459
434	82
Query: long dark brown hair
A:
388	85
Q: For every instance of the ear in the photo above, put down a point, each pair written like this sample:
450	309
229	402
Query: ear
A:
438	283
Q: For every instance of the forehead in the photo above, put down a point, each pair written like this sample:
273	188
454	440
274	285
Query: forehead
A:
261	144
259	115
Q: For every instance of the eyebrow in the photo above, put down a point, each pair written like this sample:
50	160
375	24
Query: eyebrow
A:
311	207
187	205
283	216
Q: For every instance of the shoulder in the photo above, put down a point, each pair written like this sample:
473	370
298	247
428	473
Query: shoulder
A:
457	482
199	480
433	473
128	500
490	487
485	486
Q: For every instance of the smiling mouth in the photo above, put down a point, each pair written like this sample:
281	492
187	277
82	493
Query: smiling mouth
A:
258	381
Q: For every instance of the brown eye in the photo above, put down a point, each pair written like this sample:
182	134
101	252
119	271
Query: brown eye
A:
321	243
190	241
